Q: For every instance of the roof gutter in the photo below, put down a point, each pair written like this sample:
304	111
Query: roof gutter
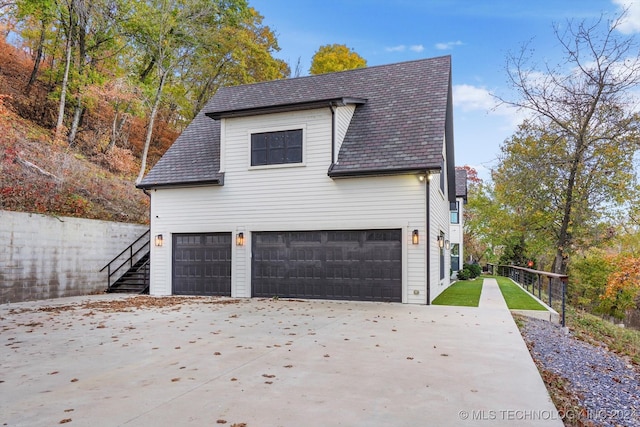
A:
361	173
294	106
217	181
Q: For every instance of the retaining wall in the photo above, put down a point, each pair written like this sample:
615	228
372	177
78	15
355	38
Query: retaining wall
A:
44	257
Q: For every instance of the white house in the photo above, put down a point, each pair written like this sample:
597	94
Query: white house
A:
457	221
334	186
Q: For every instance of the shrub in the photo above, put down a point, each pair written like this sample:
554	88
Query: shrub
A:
464	274
474	269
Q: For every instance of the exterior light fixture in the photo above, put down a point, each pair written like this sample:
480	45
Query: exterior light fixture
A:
159	240
441	241
240	239
421	178
415	237
447	244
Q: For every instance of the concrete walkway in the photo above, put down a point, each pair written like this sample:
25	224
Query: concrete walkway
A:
491	297
137	361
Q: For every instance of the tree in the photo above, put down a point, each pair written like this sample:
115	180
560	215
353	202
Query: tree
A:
231	55
335	57
170	32
582	134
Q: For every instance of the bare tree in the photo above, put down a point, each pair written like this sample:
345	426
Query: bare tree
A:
586	101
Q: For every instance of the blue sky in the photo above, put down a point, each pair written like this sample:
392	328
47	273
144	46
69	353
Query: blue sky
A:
478	34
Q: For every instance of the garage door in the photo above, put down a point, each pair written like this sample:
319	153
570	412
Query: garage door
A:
363	265
202	264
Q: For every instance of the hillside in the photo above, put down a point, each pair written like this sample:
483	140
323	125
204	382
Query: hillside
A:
86	180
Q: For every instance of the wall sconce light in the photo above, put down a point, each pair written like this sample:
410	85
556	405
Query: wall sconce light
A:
415	237
240	239
421	178
441	241
447	244
159	240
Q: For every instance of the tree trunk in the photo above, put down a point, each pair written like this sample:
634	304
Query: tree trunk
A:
75	124
564	236
36	63
152	119
63	90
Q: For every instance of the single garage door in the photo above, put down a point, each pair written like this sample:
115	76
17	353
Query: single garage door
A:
364	265
202	264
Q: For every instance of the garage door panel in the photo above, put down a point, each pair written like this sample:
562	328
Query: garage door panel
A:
347	264
202	264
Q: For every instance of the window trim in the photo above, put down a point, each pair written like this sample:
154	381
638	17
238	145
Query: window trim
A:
250	132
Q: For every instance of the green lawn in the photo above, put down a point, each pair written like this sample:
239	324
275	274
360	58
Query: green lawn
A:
463	293
516	297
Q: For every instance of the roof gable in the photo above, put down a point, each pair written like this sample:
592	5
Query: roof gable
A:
399	124
461	183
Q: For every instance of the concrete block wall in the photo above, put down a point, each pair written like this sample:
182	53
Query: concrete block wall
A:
44	257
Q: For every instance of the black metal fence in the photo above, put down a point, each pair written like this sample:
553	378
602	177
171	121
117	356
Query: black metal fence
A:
547	286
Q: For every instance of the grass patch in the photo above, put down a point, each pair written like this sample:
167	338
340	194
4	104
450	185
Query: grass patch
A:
516	297
464	293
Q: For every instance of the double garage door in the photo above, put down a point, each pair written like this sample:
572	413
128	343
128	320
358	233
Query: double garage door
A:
363	265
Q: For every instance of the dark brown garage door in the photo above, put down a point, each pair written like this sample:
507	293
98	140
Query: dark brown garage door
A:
202	264
363	265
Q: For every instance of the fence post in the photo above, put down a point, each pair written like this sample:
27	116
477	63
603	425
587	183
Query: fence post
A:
550	289
564	291
540	289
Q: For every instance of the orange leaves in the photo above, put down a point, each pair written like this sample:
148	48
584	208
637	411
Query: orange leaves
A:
625	277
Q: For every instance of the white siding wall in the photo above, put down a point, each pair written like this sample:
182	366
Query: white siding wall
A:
290	198
343	119
440	222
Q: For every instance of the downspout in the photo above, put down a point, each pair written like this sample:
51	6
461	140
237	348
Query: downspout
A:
428	239
333	132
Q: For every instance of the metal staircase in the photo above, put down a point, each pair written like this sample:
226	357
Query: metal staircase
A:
128	272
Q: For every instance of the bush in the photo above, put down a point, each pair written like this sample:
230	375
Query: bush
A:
464	274
474	269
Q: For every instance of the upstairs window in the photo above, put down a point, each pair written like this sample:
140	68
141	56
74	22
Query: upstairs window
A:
276	148
455	214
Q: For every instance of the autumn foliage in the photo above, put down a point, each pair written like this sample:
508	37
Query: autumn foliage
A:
623	284
38	175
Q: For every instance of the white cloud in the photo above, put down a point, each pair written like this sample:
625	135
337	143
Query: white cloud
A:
448	45
399	48
472	98
402	48
631	22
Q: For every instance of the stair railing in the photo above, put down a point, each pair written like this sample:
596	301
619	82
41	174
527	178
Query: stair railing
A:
143	244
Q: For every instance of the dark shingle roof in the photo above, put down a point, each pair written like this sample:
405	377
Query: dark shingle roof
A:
461	183
399	123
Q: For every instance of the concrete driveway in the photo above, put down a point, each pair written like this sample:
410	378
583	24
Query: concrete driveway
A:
140	361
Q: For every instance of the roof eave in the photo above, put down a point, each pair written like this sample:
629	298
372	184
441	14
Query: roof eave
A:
298	106
363	173
183	184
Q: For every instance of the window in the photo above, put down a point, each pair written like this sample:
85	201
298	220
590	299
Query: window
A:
455	256
276	148
442	172
455	214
